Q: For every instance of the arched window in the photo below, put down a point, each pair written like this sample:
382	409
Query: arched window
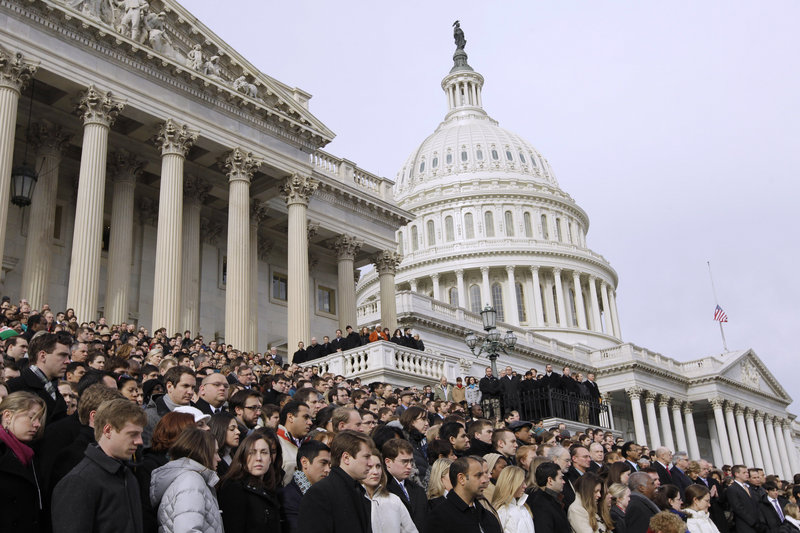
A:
435	162
555	304
464	155
558	230
414	239
495	155
509	224
469	226
449	157
449	232
453	294
572	233
431	233
497	301
509	156
523	317
422	166
400	242
526	217
479	155
522	157
545	231
533	160
474	298
488	221
573	307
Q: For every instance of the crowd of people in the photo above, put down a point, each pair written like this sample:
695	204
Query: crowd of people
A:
106	428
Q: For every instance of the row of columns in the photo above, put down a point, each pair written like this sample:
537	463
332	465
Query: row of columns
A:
534	299
738	435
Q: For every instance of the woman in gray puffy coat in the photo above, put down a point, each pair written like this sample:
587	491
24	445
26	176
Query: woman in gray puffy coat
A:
183	489
473	393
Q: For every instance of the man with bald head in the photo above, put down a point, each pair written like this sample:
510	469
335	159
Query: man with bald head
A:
662	464
597	454
213	393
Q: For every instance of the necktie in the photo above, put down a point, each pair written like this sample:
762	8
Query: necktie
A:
778	509
403	487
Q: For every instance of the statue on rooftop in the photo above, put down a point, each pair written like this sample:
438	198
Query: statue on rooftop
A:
458	35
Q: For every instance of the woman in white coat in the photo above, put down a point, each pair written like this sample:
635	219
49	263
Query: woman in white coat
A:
389	514
183	489
509	500
696	507
584	513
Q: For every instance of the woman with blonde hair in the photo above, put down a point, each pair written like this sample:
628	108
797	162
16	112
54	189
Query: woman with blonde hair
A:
792	514
584	512
439	484
23	415
389	513
620	497
509	500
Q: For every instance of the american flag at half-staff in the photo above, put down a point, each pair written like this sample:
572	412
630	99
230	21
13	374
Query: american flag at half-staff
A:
719	315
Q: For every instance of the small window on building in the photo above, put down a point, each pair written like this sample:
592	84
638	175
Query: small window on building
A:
414	239
545	231
495	155
522	157
558	230
573	308
509	224
497	301
533	160
488	221
523	317
463	155
469	226
474	298
422	167
449	159
279	284
528	226
435	162
326	300
453	296
509	156
448	229
431	233
479	155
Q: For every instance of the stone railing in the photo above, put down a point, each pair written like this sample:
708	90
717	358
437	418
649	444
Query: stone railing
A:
347	172
631	352
390	363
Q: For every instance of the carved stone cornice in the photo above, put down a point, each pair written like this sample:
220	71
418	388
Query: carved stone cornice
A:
99	107
15	71
346	247
124	166
676	404
687	408
749	413
312	229
759	417
297	189
210	230
47	138
729	407
240	165
739	411
258	212
634	393
175	139
649	397
716	402
196	189
663	401
387	262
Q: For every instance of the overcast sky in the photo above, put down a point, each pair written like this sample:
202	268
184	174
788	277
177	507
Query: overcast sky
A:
674	125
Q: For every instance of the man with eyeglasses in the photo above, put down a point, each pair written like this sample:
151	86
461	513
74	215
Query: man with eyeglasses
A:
213	393
246	406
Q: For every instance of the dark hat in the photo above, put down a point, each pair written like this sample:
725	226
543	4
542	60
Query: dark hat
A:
519	424
407	393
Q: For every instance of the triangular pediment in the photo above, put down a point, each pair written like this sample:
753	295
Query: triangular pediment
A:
745	368
173	39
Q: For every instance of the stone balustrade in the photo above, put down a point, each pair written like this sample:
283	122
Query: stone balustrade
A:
347	172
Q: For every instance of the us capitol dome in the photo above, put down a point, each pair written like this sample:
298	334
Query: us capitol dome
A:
492	226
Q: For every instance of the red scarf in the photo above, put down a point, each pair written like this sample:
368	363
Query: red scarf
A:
22	451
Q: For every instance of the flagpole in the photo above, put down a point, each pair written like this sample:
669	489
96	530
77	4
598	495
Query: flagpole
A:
716	302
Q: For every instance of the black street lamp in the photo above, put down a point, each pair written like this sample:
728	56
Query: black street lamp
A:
492	344
24	177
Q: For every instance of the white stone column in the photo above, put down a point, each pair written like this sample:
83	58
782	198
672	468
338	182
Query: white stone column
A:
680	433
239	167
782	450
437	295
15	72
713	436
258	211
606	397
487	291
652	421
386	263
99	110
346	248
666	428
691	432
124	169
634	393
195	192
595	305
777	463
48	140
580	309
512	311
606	306
174	140
722	433
562	309
537	296
614	313
462	291
744	441
752	433
730	423
764	443
297	191
790	447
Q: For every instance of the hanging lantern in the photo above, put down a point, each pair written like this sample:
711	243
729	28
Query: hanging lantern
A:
23	180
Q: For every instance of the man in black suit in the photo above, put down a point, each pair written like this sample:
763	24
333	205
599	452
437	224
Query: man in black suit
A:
597	454
213	393
640	507
594	398
745	510
549	514
772	506
570	389
326	346
661	464
313	465
756	483
509	388
338	343
353	339
398	458
632	452
489	386
680	461
550	383
49	355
